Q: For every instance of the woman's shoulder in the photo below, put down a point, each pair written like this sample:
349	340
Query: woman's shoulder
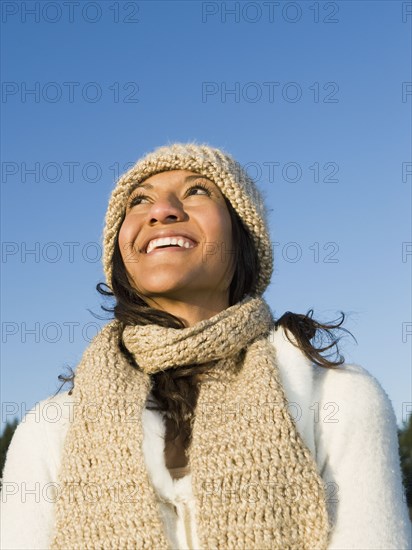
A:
351	399
291	358
348	383
46	423
57	409
351	382
51	411
43	427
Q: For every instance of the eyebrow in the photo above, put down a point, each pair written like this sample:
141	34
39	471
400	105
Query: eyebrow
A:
150	186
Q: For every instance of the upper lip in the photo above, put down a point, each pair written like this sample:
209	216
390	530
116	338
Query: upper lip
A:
167	233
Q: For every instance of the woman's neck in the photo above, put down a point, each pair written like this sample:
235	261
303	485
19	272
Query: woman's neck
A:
191	311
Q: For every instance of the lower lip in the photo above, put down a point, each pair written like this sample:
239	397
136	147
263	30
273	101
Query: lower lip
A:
170	249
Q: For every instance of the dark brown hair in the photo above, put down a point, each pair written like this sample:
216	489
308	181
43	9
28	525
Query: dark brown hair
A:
176	390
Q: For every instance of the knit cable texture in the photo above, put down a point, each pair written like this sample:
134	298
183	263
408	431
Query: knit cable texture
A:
177	347
255	483
232	180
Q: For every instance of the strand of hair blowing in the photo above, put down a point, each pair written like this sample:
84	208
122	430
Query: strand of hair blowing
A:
304	328
176	390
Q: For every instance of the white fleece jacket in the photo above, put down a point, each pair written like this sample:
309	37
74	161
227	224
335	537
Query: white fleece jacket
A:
344	416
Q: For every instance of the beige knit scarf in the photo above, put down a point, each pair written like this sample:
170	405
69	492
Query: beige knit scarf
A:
255	482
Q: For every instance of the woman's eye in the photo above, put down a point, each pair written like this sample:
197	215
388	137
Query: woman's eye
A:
206	190
136	199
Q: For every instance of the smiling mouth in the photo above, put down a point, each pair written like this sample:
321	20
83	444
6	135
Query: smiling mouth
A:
169	243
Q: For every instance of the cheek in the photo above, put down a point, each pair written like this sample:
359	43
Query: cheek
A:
221	226
127	235
219	231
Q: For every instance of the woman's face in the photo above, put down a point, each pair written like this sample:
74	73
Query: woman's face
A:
189	209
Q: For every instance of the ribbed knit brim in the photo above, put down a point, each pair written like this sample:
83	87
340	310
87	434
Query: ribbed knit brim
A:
218	166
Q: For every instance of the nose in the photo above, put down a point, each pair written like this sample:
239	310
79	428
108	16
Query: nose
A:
166	209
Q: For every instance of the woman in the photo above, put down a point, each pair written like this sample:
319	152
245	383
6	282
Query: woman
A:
196	420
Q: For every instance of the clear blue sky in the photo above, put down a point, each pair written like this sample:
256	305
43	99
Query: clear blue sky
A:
319	113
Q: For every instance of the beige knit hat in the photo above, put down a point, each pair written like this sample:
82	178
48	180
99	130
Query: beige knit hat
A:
218	166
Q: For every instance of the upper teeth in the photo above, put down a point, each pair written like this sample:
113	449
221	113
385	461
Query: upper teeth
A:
164	241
